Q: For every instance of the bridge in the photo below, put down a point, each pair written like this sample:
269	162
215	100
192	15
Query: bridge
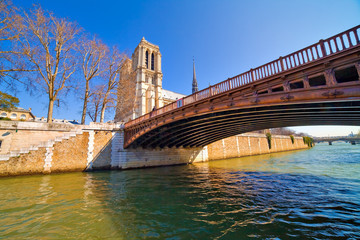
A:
317	85
353	140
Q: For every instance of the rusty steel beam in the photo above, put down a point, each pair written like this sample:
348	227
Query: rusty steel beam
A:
300	97
338	115
258	124
186	132
229	130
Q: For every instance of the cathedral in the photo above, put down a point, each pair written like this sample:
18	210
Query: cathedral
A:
140	89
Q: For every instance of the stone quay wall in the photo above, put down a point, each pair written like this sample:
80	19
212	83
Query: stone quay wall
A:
252	144
41	148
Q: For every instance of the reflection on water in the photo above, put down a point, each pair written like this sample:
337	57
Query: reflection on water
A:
305	194
341	160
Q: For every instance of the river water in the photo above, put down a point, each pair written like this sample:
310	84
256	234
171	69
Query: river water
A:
310	194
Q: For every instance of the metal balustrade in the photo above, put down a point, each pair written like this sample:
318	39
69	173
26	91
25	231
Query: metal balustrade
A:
324	48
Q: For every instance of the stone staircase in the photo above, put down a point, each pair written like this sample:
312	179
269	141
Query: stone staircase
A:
40	144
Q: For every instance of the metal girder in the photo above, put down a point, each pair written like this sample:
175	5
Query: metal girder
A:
182	133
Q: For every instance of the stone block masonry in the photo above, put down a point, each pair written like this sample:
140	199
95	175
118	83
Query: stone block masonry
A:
70	154
30	163
32	148
40	148
140	158
252	144
232	147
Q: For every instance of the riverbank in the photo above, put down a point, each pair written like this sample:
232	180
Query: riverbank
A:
41	148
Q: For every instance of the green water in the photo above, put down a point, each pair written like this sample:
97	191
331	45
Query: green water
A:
312	194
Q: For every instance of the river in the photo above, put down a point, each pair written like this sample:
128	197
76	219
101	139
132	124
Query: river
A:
309	194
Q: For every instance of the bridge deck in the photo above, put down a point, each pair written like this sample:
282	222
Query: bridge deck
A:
303	77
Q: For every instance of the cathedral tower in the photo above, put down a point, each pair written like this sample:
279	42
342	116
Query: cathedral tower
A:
146	61
145	64
143	71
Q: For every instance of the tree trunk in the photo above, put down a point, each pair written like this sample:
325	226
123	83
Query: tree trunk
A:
50	110
103	107
85	103
84	112
95	117
102	115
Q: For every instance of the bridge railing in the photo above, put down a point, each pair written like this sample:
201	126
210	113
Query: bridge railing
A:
335	44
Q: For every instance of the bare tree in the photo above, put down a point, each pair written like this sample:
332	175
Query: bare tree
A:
92	53
10	30
282	131
126	102
113	64
95	100
48	44
300	134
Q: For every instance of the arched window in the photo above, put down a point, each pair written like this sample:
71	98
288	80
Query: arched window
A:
152	61
22	117
13	115
147	59
4	114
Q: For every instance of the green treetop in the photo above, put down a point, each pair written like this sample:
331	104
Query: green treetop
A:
8	101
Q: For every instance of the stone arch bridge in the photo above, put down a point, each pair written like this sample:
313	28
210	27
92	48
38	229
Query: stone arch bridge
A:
353	140
317	85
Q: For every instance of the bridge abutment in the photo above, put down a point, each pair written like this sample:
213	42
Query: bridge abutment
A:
139	157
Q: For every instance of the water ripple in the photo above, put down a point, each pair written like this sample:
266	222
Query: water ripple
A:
311	194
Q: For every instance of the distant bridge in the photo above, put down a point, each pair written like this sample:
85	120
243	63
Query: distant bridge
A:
317	85
330	140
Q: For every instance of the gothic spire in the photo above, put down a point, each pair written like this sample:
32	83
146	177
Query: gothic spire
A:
194	83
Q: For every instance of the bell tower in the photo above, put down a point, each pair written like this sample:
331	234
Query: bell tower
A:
146	62
140	89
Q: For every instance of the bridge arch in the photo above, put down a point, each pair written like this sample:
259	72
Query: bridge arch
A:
321	90
204	129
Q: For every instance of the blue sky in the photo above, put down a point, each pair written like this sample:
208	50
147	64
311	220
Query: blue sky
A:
225	37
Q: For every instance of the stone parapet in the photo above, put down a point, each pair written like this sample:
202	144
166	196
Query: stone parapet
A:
38	126
63	127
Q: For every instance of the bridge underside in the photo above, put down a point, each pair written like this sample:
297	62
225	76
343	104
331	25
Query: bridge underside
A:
204	129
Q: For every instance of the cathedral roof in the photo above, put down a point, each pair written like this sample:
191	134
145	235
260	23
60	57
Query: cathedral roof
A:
170	95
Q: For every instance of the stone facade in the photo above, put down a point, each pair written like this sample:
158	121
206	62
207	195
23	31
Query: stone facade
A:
146	63
17	114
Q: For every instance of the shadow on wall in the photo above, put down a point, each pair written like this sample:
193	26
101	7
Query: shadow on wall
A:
141	158
102	159
113	156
